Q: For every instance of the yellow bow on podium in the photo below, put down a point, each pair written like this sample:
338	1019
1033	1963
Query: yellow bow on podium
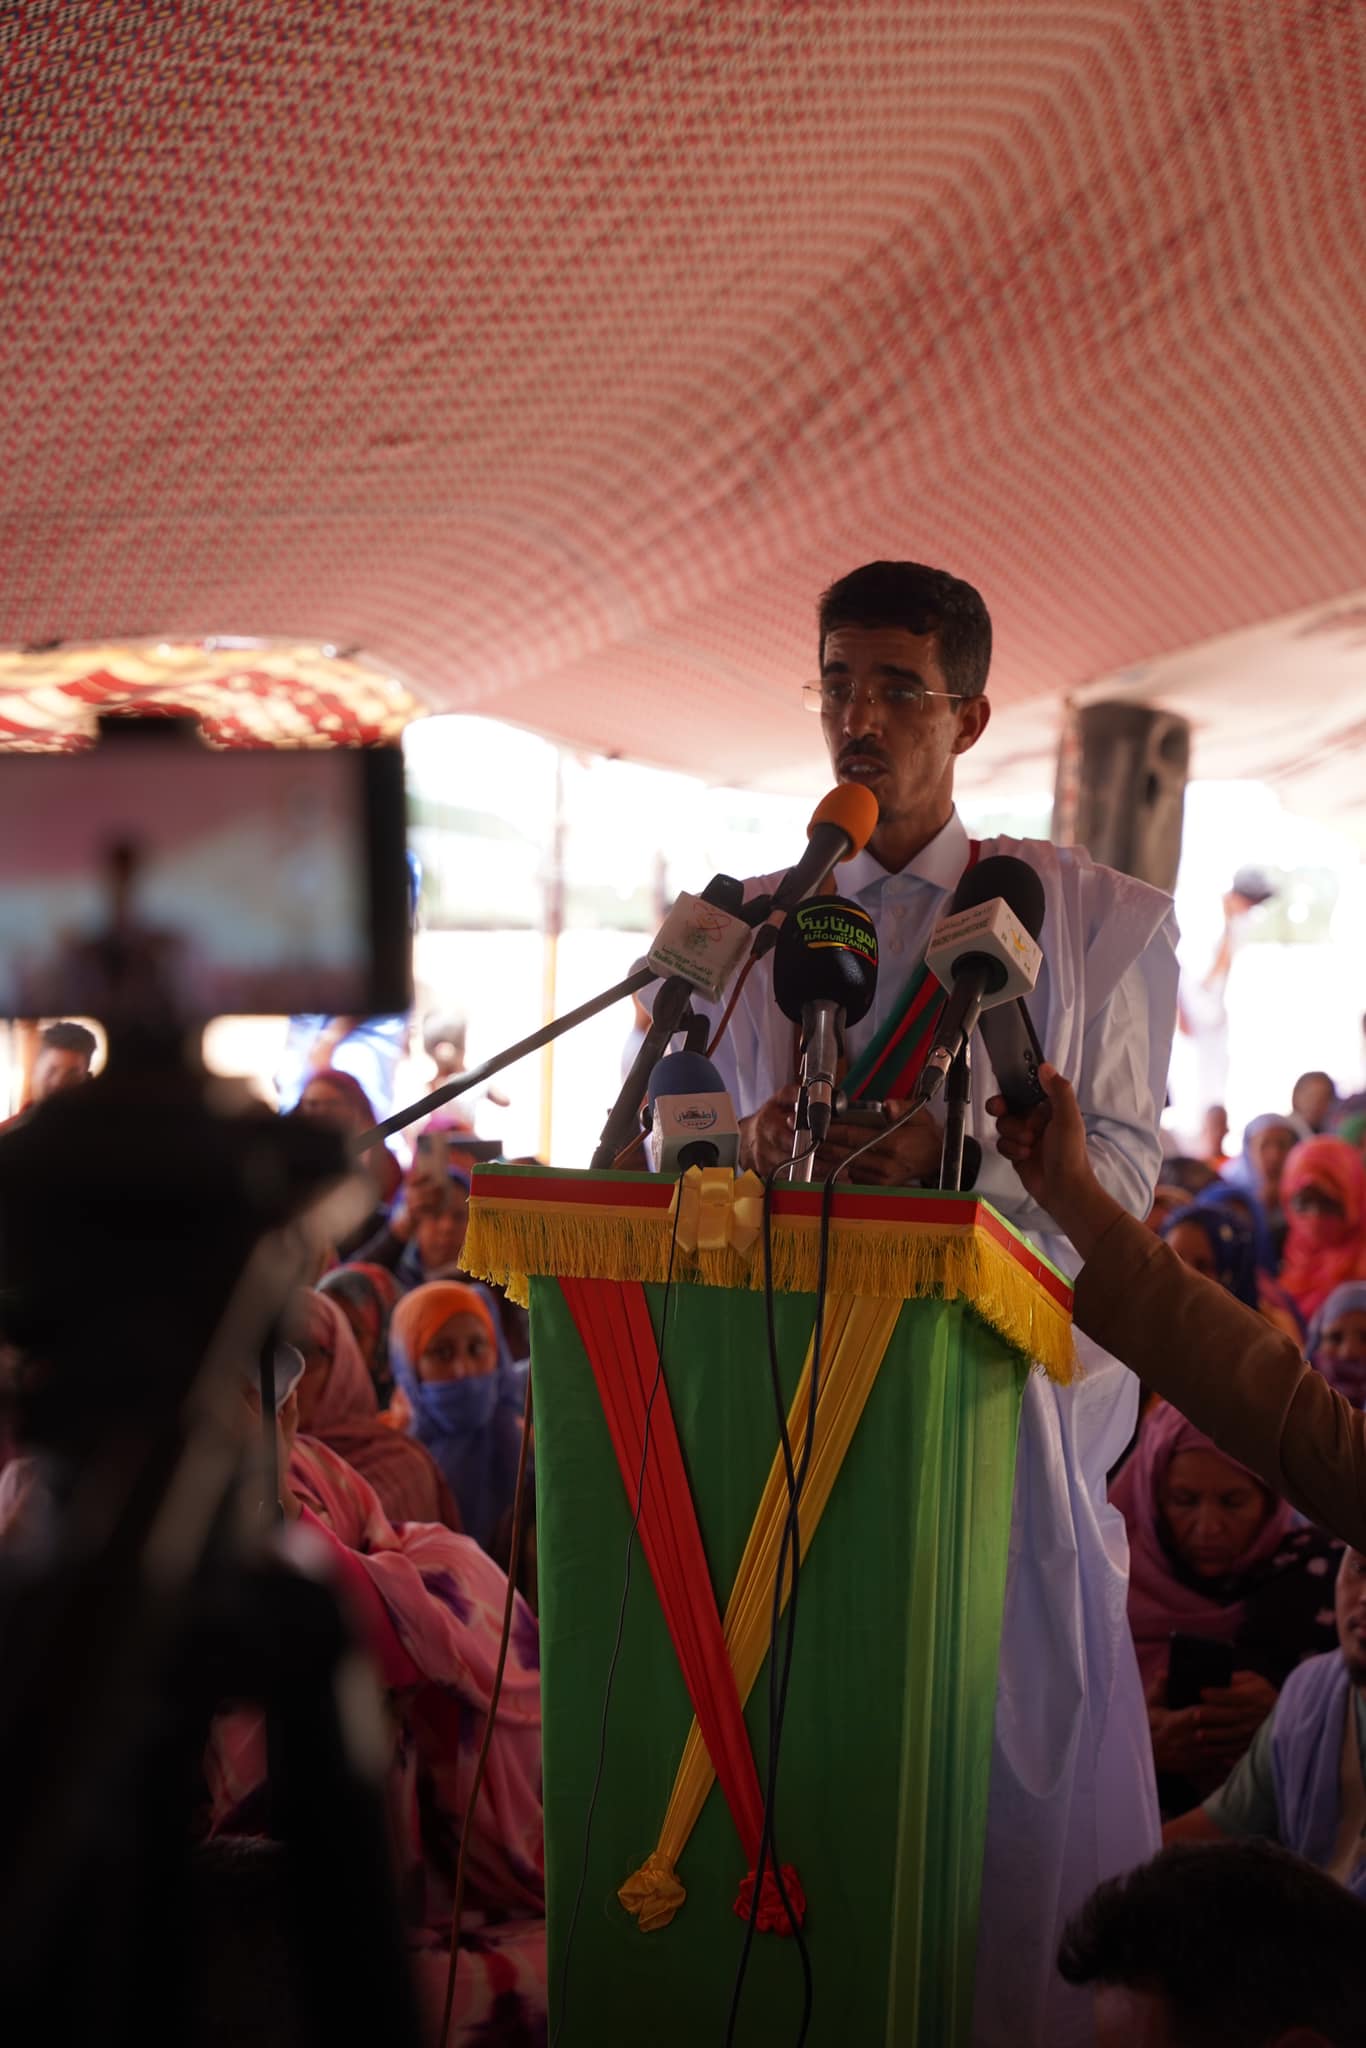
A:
718	1210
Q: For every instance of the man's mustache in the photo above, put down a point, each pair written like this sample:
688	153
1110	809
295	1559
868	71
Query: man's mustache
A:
863	754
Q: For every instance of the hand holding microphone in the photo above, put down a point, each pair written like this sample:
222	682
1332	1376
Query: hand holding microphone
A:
1047	1148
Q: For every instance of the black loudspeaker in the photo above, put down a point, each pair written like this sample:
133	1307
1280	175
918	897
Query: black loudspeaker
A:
1121	787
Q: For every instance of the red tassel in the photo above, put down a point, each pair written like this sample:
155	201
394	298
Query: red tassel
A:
772	1915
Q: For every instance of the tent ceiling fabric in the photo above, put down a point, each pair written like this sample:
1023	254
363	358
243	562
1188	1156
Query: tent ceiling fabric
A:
556	356
247	694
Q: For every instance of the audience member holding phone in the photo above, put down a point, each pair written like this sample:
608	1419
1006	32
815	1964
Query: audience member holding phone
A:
1226	1592
1238	1379
1302	1782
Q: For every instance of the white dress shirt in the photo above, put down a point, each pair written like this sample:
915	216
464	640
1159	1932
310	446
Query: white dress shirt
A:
1072	1796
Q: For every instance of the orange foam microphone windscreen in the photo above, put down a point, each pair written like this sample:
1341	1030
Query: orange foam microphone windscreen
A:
853	809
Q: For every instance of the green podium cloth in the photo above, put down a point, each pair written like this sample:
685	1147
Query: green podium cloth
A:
887	1743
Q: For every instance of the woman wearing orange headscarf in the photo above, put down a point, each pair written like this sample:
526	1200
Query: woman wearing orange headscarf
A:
337	1405
464	1396
1323	1189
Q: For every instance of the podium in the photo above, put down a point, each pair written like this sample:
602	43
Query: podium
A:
936	1310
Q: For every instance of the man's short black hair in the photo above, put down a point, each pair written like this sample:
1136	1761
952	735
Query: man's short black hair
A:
69	1038
918	600
1241	1939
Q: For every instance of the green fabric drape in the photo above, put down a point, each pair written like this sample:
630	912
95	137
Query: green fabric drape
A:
886	1751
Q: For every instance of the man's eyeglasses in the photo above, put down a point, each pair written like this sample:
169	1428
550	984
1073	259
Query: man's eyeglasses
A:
834	694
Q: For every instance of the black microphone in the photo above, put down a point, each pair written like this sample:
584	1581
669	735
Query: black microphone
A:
824	977
984	950
1015	1053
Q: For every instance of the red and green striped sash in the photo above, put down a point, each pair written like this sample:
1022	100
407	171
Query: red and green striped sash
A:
888	1068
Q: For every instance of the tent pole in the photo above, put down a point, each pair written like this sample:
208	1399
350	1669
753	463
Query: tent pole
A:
553	927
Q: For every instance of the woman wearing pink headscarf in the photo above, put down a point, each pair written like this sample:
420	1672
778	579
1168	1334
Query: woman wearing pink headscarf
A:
337	1404
428	1606
1323	1189
1213	1554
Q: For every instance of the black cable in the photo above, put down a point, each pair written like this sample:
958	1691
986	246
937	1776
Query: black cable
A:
778	1687
790	1544
621	1631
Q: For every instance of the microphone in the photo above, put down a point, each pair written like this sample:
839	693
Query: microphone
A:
985	952
704	938
692	1117
841	826
1015	1053
824	977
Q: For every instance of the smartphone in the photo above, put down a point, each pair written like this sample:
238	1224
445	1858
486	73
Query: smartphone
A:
1197	1663
433	1154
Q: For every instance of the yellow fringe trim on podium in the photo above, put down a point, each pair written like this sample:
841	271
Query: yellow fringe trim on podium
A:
854	1344
511	1241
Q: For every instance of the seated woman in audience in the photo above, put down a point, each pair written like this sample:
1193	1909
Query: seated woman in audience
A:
1216	1239
366	1294
1255	1178
465	1399
335	1098
423	1236
337	1405
1337	1341
1301	1783
1213	1554
1324	1188
428	1606
1165	1203
1192	1176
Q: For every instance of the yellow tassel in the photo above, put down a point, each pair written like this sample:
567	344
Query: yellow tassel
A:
653	1895
510	1240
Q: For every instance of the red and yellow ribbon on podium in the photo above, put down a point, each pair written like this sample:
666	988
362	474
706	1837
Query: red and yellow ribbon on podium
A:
935	1312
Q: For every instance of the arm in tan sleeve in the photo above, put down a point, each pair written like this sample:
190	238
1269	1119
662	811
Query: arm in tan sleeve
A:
1237	1378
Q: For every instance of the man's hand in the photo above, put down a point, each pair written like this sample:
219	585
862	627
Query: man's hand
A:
1234	1712
1204	1741
907	1155
1047	1148
766	1137
1178	1747
910	1154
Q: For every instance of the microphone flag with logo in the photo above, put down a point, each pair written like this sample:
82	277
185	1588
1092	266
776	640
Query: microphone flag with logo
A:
824	978
692	1118
984	952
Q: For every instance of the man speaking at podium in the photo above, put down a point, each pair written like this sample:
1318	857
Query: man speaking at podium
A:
904	654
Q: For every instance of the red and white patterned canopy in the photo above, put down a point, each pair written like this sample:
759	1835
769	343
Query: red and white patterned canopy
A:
555	353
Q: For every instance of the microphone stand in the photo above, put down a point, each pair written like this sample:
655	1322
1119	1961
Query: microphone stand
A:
753	912
802	1165
476	1076
957	1093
